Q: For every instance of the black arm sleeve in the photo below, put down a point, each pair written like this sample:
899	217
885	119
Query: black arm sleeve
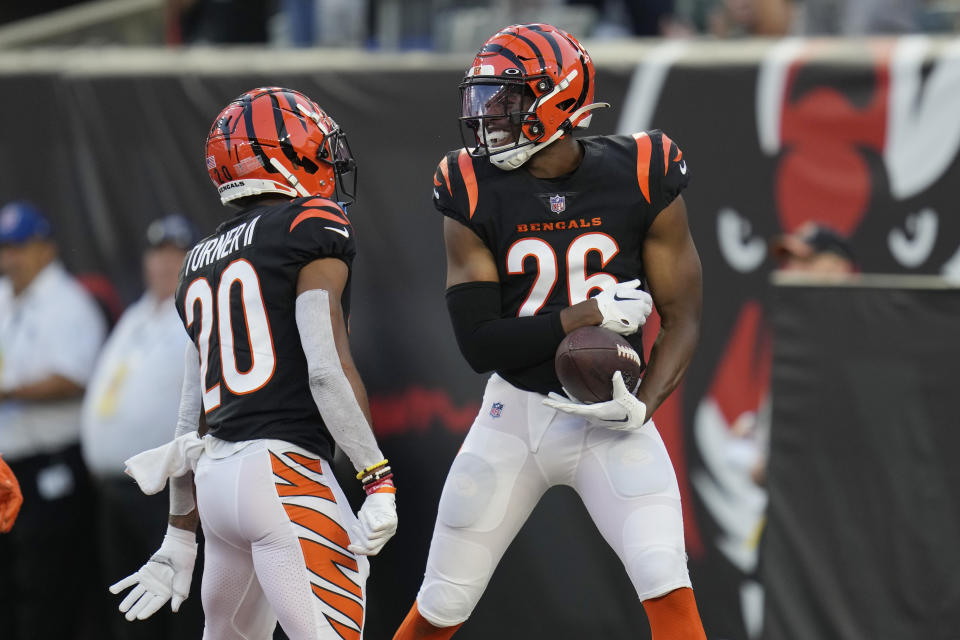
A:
489	342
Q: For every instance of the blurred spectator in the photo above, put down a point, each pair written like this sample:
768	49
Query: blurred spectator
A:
814	248
730	18
858	17
639	17
326	23
130	406
50	333
218	21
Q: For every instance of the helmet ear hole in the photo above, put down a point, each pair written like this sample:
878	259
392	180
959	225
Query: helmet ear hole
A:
566	104
309	165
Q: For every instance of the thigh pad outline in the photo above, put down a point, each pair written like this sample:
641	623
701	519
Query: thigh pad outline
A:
477	491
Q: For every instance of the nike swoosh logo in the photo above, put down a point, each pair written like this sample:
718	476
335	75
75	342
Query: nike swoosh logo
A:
625	418
683	167
343	232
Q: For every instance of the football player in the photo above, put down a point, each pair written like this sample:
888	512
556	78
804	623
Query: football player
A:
545	233
265	301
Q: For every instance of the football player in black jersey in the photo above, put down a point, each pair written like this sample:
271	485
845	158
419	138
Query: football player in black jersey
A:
546	233
265	301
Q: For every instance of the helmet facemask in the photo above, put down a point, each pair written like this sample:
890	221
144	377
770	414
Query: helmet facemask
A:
334	149
496	117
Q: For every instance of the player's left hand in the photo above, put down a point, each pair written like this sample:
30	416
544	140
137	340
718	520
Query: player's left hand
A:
377	524
623	413
167	575
624	307
10	498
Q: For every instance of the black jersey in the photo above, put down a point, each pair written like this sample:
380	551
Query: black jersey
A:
237	300
559	241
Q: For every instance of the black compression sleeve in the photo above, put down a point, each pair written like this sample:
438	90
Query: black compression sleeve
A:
489	342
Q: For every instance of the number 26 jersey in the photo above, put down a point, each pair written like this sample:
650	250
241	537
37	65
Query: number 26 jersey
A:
559	241
237	299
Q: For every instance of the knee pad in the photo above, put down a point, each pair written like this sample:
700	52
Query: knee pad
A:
477	490
654	554
658	570
457	574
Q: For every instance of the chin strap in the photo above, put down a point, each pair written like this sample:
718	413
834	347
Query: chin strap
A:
514	158
289	177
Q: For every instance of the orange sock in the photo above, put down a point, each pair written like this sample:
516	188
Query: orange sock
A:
675	616
415	627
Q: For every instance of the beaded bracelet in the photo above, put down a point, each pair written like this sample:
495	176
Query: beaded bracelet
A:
371	468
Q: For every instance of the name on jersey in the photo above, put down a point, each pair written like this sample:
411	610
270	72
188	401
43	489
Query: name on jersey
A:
559	225
221	246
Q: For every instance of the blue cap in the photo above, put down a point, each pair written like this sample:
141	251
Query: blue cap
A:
174	229
20	222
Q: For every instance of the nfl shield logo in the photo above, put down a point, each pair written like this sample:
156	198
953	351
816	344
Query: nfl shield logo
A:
496	409
558	203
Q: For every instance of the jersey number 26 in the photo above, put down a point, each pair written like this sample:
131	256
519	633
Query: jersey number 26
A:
579	285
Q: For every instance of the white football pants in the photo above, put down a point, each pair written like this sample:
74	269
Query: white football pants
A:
517	449
275	523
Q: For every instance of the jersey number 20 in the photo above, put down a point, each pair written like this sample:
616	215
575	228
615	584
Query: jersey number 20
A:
263	359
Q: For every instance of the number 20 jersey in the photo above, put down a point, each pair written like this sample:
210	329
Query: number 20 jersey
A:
560	241
237	299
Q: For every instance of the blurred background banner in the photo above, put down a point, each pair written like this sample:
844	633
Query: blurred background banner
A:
861	135
864	492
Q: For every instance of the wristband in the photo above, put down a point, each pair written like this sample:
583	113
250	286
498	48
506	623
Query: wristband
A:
371	468
383	485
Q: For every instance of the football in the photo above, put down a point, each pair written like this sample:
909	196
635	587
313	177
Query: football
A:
587	359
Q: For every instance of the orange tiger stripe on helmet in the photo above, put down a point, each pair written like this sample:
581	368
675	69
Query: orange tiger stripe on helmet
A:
644	150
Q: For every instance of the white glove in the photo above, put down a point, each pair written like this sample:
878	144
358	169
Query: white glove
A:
624	413
378	523
167	573
624	307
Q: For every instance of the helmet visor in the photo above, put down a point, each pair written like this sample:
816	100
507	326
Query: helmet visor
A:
494	113
482	100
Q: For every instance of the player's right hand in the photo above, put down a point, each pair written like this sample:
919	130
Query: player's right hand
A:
377	524
166	575
624	307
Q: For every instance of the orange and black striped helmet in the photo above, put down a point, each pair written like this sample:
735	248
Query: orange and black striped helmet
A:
529	85
274	140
